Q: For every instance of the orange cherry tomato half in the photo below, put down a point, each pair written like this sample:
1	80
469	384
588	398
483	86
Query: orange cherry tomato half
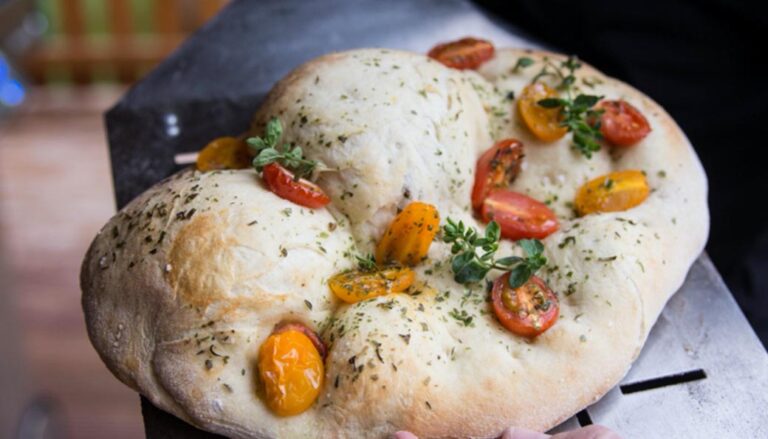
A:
291	370
224	153
612	192
302	192
622	124
544	123
496	168
357	285
527	310
518	215
312	335
466	53
409	235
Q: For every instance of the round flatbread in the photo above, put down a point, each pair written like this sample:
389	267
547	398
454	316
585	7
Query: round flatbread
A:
183	285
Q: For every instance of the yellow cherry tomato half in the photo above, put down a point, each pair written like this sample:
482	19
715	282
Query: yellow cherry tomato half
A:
613	192
292	371
410	234
354	286
224	153
544	123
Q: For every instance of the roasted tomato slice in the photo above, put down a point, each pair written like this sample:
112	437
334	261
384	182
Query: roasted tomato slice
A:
622	124
224	153
496	168
409	236
518	215
291	370
303	192
354	286
543	122
526	311
612	192
466	53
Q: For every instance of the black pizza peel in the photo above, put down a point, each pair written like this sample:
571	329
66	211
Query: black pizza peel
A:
702	373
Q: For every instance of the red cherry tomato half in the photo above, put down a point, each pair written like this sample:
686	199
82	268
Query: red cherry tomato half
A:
526	311
496	168
303	192
518	215
466	53
622	124
313	337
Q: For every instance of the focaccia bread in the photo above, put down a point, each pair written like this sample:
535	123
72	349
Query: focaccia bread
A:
183	285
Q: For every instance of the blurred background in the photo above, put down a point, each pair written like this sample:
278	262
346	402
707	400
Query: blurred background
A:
64	62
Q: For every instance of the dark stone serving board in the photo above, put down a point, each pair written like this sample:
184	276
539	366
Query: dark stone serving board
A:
214	82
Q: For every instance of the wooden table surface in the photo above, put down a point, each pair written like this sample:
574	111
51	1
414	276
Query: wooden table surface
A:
55	194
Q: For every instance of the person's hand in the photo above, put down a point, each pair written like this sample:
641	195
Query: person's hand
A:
590	432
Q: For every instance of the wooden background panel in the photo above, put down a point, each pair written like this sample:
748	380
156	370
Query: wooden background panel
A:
124	38
55	194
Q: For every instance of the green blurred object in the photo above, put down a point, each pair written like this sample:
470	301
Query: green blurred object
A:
96	16
91	41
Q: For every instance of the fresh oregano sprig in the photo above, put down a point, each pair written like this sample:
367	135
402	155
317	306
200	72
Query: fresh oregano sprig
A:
578	114
468	266
267	151
474	254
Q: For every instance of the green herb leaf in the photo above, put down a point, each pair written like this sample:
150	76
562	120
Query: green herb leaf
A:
509	260
257	143
525	268
519	275
552	102
568	81
531	246
273	131
522	63
587	101
267	151
467	268
265	157
366	263
493	231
